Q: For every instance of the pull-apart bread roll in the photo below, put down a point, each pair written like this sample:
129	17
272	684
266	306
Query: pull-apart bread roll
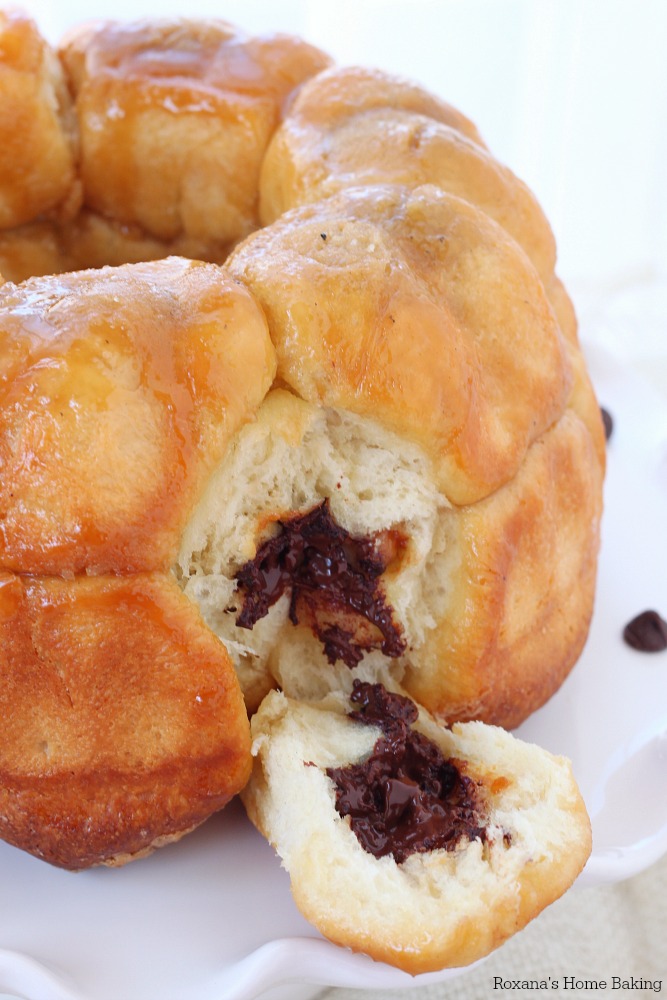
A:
38	147
352	126
123	726
173	118
120	389
416	490
421	846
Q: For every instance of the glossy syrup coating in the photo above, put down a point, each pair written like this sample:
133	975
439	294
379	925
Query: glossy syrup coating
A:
119	391
175	117
414	308
418	328
38	147
350	127
123	723
90	240
521	573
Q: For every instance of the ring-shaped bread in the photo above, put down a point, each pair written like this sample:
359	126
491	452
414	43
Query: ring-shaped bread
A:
361	452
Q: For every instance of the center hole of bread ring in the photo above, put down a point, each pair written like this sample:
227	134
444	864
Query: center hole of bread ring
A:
333	580
406	797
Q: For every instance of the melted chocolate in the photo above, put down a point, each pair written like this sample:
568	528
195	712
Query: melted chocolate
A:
333	580
406	797
647	632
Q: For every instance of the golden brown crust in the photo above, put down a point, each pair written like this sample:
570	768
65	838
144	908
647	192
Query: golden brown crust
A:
350	127
582	399
121	389
91	241
415	308
128	383
33	249
123	720
585	404
339	92
148	93
38	151
520	586
430	310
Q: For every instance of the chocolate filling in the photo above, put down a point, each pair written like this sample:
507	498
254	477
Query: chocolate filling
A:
406	797
334	584
608	422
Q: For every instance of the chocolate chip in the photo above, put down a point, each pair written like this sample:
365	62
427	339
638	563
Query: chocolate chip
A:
608	422
406	797
334	584
647	632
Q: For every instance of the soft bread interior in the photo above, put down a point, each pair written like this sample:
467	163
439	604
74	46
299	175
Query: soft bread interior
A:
480	594
439	908
293	457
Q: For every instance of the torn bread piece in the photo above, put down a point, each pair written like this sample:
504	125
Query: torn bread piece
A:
422	846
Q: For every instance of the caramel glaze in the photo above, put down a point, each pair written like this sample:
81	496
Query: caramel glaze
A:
38	147
119	390
334	583
211	54
203	86
405	798
123	721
